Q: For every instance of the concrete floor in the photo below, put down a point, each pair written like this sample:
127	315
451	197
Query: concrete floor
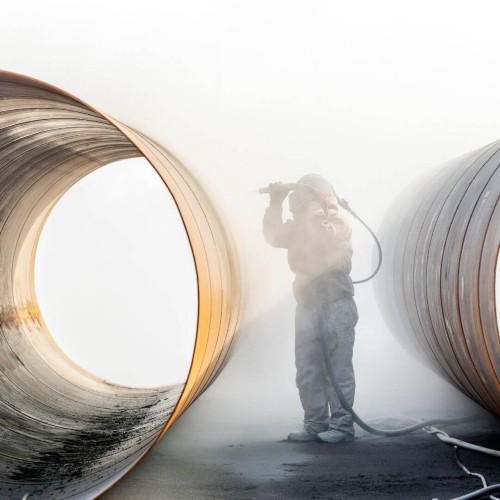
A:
203	457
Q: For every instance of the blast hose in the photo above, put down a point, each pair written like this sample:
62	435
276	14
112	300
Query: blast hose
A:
369	428
345	205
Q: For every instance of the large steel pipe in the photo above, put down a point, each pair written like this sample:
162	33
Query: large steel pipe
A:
437	289
65	432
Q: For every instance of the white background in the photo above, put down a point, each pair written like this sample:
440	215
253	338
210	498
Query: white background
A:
115	278
369	94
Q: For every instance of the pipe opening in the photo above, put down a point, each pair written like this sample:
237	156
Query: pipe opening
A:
115	278
65	431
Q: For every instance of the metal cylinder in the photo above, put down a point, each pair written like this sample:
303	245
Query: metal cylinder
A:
437	288
64	432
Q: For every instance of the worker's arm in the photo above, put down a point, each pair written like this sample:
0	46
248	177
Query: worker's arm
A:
276	233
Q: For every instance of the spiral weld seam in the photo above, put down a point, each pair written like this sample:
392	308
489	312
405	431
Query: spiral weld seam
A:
442	239
64	432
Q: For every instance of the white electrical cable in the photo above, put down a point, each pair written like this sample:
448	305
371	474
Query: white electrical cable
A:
431	429
467	471
457	443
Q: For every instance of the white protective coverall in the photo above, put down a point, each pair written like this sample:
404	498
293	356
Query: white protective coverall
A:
319	253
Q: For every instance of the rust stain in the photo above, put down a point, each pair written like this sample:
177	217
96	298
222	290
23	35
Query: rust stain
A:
12	317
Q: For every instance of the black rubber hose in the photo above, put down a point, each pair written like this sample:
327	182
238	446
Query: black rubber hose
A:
369	428
346	206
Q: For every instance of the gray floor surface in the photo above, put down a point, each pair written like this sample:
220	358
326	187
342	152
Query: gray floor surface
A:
209	458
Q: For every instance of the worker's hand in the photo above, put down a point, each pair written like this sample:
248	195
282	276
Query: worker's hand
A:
277	193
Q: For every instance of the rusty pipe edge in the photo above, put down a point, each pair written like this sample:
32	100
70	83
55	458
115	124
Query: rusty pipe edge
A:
437	290
64	432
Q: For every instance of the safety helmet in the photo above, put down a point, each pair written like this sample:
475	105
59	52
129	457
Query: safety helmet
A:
321	190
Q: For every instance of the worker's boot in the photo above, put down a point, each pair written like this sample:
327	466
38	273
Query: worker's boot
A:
334	436
305	434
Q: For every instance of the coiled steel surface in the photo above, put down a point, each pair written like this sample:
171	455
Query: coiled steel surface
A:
65	433
437	289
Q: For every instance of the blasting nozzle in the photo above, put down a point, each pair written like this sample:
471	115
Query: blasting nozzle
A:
289	186
292	185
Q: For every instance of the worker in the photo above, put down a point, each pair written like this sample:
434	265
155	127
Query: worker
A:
318	240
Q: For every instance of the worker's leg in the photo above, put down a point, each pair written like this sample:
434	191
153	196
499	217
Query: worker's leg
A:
308	361
337	322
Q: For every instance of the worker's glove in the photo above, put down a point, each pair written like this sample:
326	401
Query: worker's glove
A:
277	193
